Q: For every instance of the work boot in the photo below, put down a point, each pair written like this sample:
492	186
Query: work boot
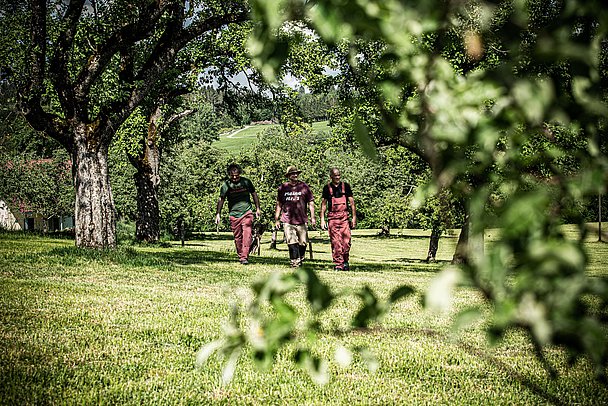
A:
302	252
294	255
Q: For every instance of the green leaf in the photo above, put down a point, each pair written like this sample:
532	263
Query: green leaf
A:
230	367
317	368
401	292
368	358
343	356
362	136
206	351
371	310
534	98
318	294
466	318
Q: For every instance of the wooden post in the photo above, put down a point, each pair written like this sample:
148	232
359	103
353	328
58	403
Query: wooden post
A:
310	248
599	219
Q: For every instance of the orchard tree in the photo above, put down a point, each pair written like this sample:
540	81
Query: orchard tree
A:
472	122
218	58
86	66
40	186
154	122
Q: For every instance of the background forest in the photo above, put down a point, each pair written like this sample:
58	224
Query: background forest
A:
193	165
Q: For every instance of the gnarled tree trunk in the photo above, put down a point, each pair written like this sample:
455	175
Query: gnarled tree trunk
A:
147	179
147	176
94	212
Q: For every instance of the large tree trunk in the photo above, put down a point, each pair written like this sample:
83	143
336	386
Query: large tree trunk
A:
470	248
147	179
94	212
461	255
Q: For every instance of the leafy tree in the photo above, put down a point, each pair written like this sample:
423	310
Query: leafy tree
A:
189	185
83	70
41	186
145	156
471	117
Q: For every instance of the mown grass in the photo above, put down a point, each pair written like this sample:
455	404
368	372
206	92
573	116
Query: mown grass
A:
247	136
124	326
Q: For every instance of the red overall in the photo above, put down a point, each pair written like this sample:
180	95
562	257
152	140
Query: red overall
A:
339	229
241	228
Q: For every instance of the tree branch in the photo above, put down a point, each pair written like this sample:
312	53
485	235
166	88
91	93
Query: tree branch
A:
171	42
178	116
121	39
59	75
31	99
38	51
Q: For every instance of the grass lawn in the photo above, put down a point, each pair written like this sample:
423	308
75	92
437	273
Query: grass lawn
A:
244	137
123	327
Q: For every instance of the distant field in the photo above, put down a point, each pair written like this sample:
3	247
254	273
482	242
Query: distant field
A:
244	137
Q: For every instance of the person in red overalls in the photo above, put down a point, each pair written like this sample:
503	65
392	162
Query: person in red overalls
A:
337	196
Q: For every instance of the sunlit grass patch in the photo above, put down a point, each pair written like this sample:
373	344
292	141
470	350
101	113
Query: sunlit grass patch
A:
124	327
242	138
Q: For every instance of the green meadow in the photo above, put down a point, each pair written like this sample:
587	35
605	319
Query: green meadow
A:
124	327
242	138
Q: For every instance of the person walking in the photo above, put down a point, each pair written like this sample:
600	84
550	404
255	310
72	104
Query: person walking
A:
238	189
337	196
292	199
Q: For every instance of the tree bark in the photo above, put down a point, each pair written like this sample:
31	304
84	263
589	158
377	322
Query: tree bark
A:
470	248
433	245
461	255
94	210
147	179
147	224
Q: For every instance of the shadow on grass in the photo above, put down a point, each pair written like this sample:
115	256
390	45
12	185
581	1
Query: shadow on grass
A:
475	352
437	262
415	266
401	236
211	237
129	256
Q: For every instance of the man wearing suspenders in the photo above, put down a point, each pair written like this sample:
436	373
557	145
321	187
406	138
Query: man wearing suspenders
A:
336	194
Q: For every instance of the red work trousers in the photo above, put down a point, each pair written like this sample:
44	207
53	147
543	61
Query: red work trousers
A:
242	228
339	235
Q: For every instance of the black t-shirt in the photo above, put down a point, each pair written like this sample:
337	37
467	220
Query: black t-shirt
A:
337	191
